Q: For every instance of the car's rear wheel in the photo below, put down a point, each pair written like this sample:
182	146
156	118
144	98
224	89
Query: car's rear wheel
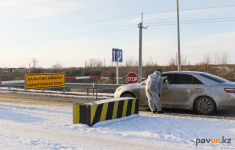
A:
205	106
127	94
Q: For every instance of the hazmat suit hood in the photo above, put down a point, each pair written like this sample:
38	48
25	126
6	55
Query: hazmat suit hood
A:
156	76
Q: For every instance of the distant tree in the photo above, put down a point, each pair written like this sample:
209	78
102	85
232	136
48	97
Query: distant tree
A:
94	63
150	63
131	62
172	64
224	58
217	59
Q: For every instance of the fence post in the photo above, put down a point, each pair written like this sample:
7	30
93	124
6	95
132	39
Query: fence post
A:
87	91
93	86
96	87
63	89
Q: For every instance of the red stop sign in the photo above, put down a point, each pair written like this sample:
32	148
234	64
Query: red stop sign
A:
131	78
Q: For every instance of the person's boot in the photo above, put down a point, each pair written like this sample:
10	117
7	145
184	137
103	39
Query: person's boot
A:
155	111
160	112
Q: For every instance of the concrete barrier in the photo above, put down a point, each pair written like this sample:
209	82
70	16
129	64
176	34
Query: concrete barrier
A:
91	113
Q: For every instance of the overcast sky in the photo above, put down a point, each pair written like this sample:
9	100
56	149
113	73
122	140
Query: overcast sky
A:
72	32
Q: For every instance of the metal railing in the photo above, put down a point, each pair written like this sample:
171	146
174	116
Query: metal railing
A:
73	85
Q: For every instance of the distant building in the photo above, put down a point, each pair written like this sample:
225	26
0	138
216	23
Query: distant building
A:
14	70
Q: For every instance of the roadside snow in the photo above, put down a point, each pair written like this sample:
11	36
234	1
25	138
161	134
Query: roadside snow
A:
82	95
34	126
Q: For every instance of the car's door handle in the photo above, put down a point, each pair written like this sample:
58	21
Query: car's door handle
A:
197	88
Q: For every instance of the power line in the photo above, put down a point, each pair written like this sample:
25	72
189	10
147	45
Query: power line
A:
92	31
67	35
71	26
118	29
59	37
195	20
207	22
192	9
113	19
190	23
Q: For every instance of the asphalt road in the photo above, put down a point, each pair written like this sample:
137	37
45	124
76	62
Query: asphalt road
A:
221	113
228	114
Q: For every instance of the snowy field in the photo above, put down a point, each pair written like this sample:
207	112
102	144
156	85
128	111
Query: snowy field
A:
40	126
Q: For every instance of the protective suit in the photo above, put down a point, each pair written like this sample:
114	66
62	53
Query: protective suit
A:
153	90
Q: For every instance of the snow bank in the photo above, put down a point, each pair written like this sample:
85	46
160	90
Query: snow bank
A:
33	126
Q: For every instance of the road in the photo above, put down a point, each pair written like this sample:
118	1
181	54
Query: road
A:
222	114
68	100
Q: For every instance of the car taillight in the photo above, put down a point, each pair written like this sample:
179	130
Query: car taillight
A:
229	90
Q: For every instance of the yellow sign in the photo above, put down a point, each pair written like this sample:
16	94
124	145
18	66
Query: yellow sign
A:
38	81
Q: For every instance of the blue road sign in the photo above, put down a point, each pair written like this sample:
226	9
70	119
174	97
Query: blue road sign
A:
117	55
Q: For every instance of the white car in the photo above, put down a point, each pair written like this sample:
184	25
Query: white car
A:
191	90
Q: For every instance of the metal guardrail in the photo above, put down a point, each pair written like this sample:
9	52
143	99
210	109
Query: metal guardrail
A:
94	85
74	85
90	86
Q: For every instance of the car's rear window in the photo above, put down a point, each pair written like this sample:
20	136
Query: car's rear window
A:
212	77
196	81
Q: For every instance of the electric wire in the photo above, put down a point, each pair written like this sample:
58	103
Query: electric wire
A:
113	19
152	24
68	35
191	9
70	26
65	35
212	19
59	37
116	29
189	23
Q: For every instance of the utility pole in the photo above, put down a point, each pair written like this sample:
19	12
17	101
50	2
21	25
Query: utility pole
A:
29	68
104	62
176	57
140	51
178	36
117	73
140	48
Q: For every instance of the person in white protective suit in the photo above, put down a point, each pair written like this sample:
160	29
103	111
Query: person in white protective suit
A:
153	91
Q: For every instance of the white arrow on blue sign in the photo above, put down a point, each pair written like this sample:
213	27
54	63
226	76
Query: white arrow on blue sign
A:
117	55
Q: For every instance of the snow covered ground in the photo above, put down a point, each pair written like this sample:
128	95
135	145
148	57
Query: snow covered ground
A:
41	126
